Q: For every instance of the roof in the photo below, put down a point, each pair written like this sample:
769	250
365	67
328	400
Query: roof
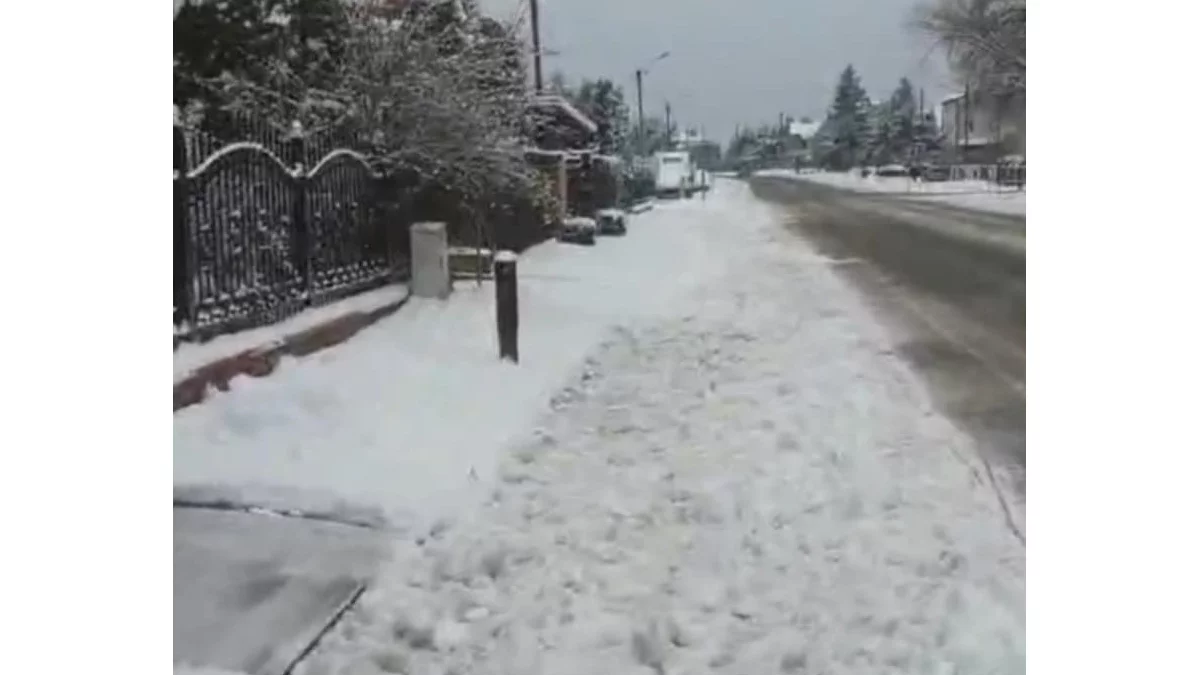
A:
559	103
803	129
972	141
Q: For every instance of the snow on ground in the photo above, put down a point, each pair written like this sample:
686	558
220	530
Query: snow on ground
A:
189	356
203	670
971	194
1008	202
410	413
743	479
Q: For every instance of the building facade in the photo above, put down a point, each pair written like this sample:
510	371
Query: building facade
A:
982	127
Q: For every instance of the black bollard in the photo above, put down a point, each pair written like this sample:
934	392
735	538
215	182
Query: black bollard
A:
506	304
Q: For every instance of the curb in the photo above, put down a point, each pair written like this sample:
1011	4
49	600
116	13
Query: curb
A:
261	361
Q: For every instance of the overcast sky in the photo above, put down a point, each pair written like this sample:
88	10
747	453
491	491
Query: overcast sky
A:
736	61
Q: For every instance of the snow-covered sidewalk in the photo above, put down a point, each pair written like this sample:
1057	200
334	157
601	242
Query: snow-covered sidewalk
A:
407	418
742	479
970	194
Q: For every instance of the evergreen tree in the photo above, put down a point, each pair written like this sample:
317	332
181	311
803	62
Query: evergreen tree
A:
604	102
281	46
742	141
904	115
850	120
885	143
894	126
657	138
706	155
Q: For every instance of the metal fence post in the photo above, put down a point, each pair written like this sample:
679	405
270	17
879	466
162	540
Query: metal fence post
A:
301	228
381	215
184	302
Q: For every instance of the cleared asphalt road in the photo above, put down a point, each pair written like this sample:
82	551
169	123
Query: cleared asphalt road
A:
951	283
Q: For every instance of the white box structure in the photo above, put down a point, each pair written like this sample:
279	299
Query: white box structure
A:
430	261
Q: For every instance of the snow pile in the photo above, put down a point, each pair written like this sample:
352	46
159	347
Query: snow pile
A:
747	481
409	415
973	194
190	356
1008	202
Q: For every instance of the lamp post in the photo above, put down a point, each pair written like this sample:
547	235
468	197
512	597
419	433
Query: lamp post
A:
641	117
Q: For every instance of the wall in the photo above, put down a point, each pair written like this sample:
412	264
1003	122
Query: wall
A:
992	122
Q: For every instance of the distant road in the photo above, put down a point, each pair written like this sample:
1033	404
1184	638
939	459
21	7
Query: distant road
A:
950	282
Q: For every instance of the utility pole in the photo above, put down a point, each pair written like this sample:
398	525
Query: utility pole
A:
641	117
958	124
966	118
921	132
669	134
639	73
537	46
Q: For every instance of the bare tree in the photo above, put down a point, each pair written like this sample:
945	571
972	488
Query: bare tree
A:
983	39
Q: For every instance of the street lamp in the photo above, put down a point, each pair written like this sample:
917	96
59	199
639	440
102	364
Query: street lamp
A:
641	117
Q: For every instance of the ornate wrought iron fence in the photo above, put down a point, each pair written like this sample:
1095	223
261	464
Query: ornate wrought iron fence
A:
268	226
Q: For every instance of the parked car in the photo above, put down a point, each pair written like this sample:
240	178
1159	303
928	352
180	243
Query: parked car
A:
578	230
934	173
610	222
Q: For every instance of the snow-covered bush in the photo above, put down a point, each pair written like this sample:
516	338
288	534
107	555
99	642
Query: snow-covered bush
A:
428	86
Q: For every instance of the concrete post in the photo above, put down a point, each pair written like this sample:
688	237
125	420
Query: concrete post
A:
430	261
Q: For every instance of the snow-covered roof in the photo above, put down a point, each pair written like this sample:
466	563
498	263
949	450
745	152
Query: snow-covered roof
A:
539	152
556	101
972	141
803	129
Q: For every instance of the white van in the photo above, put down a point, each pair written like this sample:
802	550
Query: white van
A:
672	172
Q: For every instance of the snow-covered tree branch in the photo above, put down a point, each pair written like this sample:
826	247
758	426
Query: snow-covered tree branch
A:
984	40
428	85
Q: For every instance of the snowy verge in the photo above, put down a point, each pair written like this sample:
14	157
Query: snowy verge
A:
747	481
204	670
310	503
970	194
410	415
190	356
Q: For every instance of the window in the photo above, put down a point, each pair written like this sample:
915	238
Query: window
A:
672	160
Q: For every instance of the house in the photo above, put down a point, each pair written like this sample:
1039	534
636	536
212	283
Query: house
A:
705	154
556	124
797	144
981	127
565	141
805	129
